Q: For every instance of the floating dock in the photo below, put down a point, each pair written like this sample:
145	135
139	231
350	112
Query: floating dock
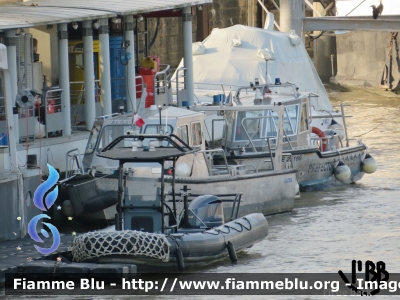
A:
21	257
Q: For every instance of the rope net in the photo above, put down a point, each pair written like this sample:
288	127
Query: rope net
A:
126	242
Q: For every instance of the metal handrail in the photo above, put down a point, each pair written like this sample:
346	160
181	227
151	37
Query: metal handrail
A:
344	122
178	84
78	160
166	74
216	150
261	87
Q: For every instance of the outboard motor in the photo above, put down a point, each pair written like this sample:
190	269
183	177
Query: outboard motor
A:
206	211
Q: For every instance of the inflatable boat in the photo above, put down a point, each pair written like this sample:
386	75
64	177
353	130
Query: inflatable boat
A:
162	228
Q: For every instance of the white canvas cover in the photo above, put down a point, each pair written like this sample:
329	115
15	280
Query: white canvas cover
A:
240	65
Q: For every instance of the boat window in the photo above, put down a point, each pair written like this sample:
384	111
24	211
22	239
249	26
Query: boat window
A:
94	133
196	134
111	132
303	118
290	119
155	129
182	133
252	122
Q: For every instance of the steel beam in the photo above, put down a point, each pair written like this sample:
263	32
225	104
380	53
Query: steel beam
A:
389	23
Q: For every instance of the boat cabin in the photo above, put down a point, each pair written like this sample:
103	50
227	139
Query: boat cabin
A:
251	123
186	124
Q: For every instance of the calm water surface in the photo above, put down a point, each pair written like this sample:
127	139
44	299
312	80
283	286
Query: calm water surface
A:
328	229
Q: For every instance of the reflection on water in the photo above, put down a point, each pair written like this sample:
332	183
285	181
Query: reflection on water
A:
328	229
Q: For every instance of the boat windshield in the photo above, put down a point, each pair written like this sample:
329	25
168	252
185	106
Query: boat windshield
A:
155	129
290	119
251	122
211	215
111	132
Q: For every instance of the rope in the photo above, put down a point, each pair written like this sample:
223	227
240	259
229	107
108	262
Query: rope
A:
242	227
389	116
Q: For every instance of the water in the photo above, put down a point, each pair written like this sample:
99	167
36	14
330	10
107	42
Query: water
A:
328	229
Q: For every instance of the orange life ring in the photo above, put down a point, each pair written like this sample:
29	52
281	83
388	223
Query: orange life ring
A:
51	109
321	135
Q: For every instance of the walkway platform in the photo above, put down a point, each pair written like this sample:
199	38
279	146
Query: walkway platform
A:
20	256
383	23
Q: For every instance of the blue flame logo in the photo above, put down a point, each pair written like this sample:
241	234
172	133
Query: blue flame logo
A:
49	201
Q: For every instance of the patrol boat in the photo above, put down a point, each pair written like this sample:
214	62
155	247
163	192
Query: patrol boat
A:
269	188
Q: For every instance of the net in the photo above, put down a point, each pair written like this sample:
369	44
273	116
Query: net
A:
126	242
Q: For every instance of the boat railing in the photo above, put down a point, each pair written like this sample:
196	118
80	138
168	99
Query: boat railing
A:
212	152
162	86
73	157
264	87
331	141
225	169
344	122
180	85
343	116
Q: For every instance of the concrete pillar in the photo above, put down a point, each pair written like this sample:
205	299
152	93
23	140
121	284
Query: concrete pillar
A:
90	108
292	13
105	73
130	67
9	103
63	63
324	50
187	51
12	69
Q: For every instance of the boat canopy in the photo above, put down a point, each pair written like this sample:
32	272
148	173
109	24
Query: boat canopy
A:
234	57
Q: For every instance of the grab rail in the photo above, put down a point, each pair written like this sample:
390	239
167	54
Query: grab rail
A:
215	151
165	80
261	87
78	161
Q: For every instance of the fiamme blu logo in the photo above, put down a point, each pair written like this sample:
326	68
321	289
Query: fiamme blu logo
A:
45	206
